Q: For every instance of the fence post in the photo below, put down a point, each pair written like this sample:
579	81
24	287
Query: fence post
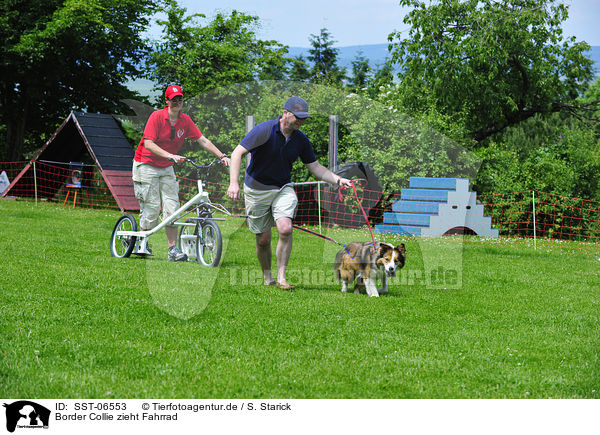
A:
333	154
534	229
250	121
333	142
35	183
319	204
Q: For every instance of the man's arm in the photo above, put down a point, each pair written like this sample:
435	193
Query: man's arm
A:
210	147
234	171
322	173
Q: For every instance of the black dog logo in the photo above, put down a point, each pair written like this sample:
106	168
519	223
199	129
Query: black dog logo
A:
26	413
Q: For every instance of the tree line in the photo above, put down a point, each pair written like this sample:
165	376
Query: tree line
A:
487	89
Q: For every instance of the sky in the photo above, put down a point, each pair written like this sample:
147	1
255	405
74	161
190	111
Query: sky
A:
357	22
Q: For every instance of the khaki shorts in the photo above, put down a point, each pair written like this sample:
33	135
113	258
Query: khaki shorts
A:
154	188
265	207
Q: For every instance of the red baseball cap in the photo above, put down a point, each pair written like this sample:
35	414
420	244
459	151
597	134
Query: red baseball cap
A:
173	91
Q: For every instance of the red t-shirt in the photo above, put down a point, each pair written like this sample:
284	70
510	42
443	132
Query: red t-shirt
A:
158	129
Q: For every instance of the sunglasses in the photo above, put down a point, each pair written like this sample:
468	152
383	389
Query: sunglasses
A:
176	100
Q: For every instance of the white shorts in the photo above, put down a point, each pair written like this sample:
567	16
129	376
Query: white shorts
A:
265	207
155	188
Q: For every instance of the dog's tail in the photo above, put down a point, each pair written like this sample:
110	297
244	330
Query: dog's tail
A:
338	262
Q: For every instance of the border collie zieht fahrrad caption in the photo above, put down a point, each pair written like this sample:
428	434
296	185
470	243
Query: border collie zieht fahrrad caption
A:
365	262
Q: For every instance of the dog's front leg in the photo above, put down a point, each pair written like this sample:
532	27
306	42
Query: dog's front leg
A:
384	285
371	287
344	286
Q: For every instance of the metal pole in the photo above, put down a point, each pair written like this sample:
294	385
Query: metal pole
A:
534	230
35	183
319	204
333	153
250	121
333	142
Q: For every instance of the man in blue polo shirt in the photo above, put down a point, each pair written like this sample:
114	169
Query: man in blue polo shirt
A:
270	199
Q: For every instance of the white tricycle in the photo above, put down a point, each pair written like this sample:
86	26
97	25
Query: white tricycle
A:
199	236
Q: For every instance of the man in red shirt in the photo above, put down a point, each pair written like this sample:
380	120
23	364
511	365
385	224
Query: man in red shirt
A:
154	180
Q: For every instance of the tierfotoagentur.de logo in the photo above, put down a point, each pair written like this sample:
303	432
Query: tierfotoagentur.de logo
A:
26	415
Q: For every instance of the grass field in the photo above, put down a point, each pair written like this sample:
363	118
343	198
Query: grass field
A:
77	323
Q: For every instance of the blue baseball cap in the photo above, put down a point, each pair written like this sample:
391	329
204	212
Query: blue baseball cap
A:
298	106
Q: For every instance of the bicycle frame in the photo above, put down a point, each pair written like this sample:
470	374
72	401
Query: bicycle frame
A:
201	198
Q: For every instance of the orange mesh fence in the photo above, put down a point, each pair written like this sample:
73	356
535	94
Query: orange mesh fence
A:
53	182
519	214
511	213
326	204
11	169
345	213
545	215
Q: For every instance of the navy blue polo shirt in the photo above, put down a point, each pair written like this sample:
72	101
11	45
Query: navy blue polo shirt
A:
272	155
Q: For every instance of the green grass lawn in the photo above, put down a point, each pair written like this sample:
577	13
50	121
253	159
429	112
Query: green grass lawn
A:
77	323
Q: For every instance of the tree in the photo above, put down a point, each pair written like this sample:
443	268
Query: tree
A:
589	104
382	79
556	153
324	58
299	70
361	71
63	55
222	52
489	64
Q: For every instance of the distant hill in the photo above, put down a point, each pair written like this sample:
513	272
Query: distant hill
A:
378	53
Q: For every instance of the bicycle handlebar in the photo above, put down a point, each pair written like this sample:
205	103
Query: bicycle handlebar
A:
197	166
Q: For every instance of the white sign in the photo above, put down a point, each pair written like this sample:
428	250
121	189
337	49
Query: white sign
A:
4	183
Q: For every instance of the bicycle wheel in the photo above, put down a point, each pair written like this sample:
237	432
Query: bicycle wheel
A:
211	244
189	238
122	246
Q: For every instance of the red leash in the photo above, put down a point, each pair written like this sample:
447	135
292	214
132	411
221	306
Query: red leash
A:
341	198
